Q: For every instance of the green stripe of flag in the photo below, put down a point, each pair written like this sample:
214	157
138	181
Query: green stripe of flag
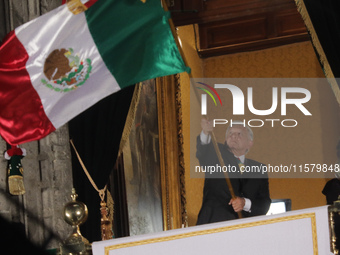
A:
134	39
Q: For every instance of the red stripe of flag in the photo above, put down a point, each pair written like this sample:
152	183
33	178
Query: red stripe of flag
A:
22	117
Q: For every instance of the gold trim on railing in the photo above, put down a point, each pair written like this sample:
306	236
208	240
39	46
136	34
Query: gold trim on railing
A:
223	229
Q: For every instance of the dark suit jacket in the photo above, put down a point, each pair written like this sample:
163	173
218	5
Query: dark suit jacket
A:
216	195
332	193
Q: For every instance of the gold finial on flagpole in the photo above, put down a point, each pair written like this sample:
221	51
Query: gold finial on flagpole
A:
76	6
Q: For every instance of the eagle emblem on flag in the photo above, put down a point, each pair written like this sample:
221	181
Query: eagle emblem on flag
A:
65	71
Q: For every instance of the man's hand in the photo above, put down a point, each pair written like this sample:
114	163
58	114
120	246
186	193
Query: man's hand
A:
237	203
207	126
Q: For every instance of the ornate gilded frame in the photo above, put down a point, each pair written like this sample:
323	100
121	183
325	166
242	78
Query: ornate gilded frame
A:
171	152
171	160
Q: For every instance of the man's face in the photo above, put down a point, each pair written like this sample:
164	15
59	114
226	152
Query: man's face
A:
238	140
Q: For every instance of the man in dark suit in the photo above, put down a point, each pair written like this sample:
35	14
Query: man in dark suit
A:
249	183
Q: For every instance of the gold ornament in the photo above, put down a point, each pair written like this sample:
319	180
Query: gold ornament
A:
15	170
75	214
105	223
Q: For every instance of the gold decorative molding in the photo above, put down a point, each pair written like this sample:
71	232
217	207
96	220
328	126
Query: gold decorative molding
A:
181	150
171	152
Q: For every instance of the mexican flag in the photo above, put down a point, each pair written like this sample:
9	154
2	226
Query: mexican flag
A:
56	66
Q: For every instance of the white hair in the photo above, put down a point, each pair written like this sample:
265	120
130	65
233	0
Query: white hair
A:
240	123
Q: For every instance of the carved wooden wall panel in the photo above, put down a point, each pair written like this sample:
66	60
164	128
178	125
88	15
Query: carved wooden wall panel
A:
217	34
226	26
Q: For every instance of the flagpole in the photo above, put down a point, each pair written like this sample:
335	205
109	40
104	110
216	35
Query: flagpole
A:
173	30
213	138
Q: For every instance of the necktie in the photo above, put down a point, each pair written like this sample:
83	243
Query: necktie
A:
241	165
